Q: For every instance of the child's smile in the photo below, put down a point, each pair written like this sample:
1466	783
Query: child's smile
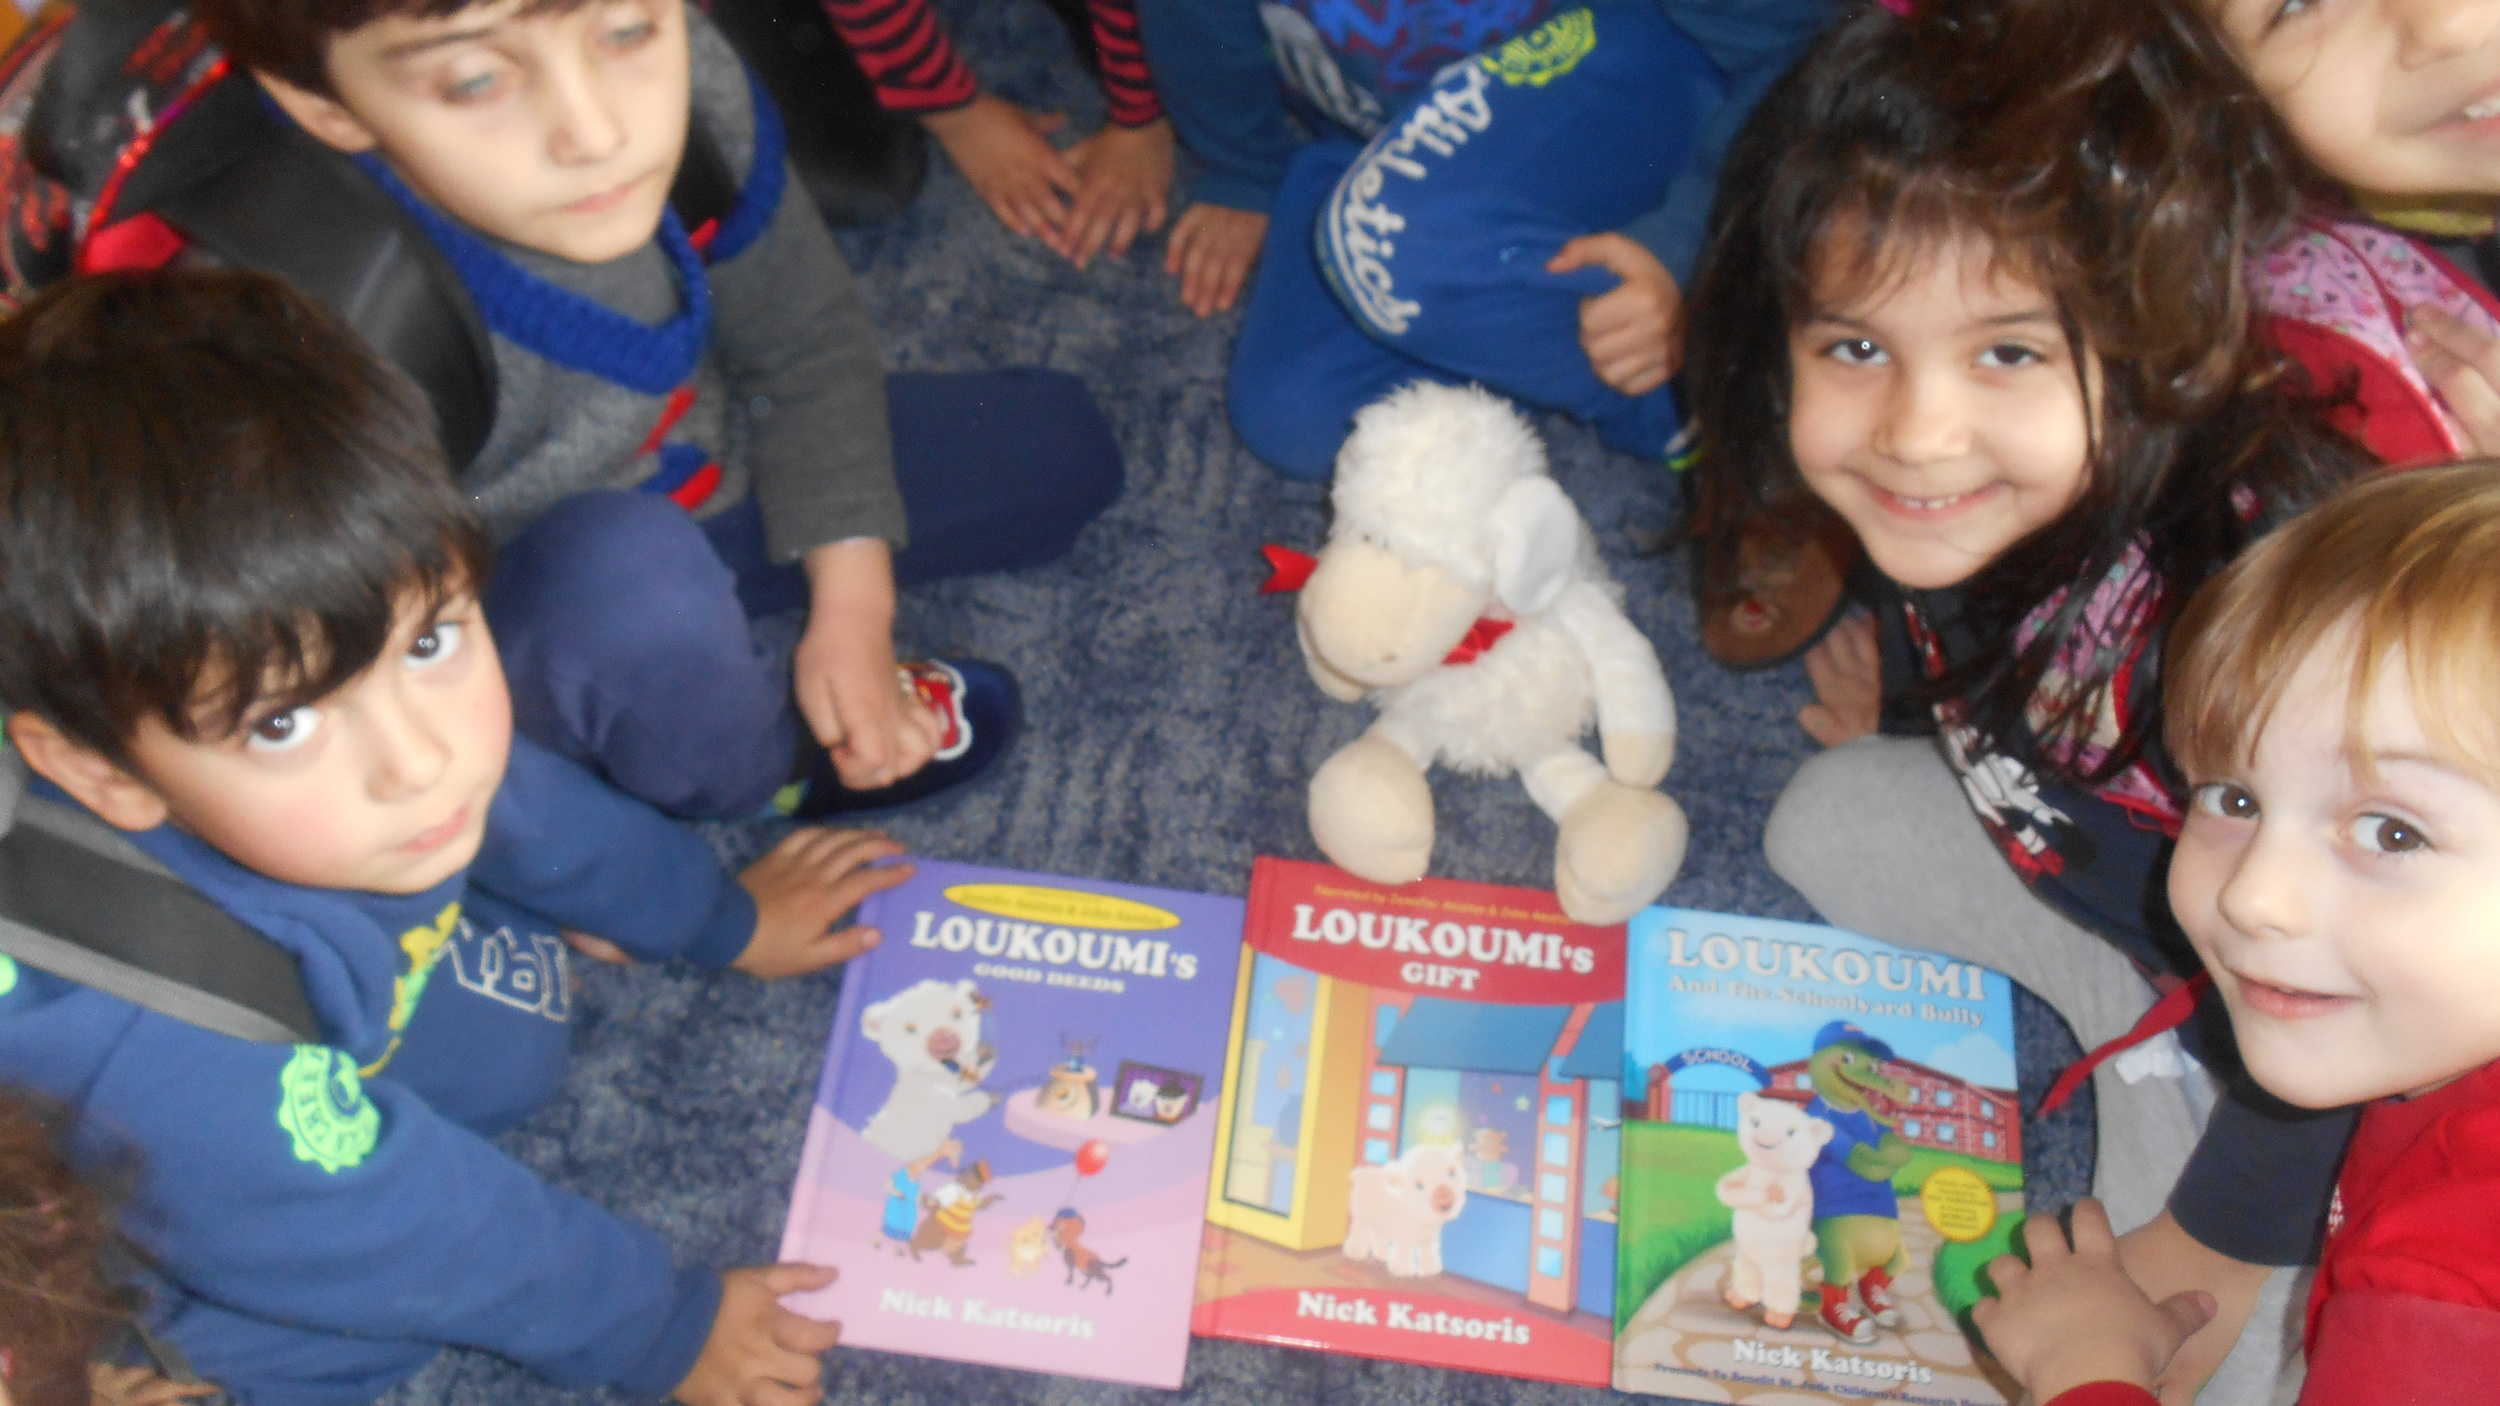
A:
1937	408
2393	96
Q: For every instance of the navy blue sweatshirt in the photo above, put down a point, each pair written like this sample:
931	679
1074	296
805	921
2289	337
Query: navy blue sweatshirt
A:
325	1218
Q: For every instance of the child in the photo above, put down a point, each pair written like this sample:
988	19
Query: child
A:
1525	214
2330	701
681	446
2030	403
238	626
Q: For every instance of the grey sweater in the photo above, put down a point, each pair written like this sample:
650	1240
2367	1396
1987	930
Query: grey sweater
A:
789	394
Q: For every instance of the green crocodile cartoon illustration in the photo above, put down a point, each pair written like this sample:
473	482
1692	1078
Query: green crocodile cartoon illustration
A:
1857	1216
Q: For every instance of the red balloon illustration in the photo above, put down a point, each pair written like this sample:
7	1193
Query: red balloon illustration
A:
1091	1157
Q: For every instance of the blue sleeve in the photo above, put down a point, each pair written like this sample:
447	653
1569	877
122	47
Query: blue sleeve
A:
285	1192
564	844
1753	42
1220	87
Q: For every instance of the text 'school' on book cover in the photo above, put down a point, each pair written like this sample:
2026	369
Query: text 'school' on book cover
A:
1416	1159
1821	1149
1008	1153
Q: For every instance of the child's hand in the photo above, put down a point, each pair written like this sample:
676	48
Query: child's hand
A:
2073	1316
1212	249
137	1386
1634	333
999	147
802	887
843	673
759	1353
2462	363
1128	177
1848	684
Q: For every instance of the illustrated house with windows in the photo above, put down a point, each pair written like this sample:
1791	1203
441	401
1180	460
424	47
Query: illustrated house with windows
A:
1333	1074
1943	1110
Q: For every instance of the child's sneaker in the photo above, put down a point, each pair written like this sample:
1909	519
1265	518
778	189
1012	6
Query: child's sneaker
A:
1875	1286
1843	1318
980	709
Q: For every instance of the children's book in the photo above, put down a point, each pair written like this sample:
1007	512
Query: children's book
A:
1415	1158
1008	1152
1821	1149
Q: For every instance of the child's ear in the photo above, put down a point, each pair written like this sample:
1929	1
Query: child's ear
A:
118	798
326	118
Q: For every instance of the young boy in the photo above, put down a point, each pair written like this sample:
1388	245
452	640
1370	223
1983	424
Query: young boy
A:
685	438
240	644
2331	699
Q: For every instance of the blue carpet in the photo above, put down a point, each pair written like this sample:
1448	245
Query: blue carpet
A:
1171	732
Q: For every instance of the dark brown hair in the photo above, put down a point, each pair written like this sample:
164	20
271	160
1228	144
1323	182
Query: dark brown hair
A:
214	499
56	1307
290	39
2125	199
2403	562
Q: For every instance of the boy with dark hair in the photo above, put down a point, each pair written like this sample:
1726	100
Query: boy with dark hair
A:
241	650
691	425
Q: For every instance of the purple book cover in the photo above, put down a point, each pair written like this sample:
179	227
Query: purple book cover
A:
1009	1149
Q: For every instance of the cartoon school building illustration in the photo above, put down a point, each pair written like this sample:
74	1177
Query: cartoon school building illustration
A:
1943	1111
1334	1074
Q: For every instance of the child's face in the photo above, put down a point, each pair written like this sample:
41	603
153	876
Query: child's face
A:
2351	922
2395	96
559	131
1937	408
382	786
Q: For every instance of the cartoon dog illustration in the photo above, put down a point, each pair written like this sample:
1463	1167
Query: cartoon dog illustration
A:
1027	1245
1068	1228
1397	1210
947	1228
931	1030
1774	1204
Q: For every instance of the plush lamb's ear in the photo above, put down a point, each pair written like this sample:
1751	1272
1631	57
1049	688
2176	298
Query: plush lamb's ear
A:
1536	542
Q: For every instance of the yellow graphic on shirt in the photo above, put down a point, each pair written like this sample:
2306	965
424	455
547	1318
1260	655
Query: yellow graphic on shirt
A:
424	945
1546	52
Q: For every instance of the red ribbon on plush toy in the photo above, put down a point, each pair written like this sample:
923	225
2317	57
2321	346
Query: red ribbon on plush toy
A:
1289	570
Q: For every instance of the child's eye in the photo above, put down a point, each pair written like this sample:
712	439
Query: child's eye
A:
436	643
2007	355
2387	834
284	732
2225	800
476	88
1855	351
631	36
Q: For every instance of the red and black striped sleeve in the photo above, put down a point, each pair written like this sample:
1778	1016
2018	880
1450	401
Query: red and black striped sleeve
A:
906	54
1126	83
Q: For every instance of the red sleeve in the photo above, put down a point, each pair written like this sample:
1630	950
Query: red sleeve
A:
2108	1394
905	53
2374	1348
1125	81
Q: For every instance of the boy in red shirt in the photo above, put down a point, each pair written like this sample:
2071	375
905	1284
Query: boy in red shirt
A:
2330	700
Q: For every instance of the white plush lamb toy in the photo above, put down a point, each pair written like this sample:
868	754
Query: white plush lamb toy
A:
1460	591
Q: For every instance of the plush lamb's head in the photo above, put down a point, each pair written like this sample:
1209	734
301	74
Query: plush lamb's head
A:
1445	512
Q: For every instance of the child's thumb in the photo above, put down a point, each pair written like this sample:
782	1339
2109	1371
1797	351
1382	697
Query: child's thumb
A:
2189	1311
798	1278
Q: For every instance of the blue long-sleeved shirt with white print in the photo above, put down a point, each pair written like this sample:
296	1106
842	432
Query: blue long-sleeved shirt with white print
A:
324	1218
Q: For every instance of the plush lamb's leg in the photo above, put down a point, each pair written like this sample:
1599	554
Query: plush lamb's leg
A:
1371	809
1619	846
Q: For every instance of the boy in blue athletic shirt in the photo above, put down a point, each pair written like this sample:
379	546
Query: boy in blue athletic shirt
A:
691	425
239	628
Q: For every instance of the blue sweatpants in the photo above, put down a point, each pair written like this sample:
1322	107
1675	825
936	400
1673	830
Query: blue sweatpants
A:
1422	255
626	626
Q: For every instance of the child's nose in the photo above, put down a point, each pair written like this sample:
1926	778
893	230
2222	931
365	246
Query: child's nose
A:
582	124
2431	30
410	754
2263	896
1924	421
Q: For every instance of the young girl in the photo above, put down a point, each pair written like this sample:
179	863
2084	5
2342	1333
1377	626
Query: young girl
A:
2031	394
2330	699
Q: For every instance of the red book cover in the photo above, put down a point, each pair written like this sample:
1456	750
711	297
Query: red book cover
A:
1417	1144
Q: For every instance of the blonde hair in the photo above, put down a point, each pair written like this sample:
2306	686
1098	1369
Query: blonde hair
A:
2405	561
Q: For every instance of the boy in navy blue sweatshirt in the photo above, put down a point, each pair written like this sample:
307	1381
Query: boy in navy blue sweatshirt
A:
239	627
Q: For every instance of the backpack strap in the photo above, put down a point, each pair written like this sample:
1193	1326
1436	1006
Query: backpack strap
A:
83	903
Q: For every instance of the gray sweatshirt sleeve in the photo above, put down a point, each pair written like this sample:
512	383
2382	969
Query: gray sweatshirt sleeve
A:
793	342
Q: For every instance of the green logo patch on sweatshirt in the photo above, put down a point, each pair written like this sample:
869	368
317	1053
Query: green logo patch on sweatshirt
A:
322	1105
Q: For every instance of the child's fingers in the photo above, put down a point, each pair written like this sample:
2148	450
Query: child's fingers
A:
598	949
2046	1240
2088	1228
2189	1312
1185	233
2462	365
2007	1273
799	1333
791	1277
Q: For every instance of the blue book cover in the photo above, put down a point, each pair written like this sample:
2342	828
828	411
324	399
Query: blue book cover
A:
1009	1148
1822	1148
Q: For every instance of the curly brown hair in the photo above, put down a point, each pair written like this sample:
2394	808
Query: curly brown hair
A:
2111	165
56	1306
